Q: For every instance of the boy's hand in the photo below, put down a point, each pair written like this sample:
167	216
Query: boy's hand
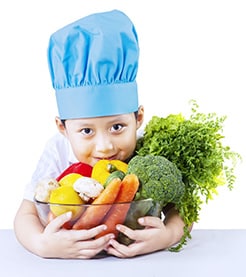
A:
61	243
146	240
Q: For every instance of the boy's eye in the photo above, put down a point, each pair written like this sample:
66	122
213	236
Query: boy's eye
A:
86	131
117	127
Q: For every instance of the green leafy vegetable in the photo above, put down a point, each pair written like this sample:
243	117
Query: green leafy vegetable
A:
195	145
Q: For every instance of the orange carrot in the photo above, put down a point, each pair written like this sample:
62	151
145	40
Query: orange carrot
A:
95	213
118	212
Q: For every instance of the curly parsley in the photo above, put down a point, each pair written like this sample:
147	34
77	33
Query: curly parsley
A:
195	145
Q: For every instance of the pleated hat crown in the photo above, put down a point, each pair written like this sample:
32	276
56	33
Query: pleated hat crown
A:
93	64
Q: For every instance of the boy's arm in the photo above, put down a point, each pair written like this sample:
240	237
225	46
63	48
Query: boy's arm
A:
54	241
27	226
174	224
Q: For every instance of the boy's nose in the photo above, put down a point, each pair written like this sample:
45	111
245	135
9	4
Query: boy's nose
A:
103	144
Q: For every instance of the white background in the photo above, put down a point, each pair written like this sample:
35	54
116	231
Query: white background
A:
189	50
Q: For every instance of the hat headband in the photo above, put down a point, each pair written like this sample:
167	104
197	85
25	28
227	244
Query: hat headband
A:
94	101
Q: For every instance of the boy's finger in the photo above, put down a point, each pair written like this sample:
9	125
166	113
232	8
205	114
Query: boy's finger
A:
150	221
57	223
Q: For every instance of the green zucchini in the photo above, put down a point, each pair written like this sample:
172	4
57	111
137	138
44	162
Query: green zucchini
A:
115	174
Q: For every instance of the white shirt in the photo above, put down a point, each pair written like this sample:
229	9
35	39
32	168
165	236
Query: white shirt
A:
56	157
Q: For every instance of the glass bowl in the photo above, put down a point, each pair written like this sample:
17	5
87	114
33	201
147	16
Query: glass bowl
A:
86	216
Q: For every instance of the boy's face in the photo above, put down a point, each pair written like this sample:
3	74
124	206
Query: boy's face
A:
110	137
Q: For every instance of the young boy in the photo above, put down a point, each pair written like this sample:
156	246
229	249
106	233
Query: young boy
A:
93	65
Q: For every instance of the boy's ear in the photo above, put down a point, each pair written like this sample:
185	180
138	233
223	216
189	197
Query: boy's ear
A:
140	117
60	126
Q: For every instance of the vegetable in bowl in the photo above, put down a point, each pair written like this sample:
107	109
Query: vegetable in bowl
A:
159	178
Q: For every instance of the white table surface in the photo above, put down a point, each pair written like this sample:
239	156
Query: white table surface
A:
209	253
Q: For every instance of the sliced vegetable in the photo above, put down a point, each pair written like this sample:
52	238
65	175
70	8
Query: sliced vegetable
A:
118	212
95	213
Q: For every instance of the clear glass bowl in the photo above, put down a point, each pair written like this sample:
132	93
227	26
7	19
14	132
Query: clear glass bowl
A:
87	216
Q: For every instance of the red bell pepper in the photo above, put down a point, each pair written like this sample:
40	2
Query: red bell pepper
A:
81	168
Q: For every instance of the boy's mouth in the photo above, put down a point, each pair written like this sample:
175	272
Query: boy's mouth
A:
114	157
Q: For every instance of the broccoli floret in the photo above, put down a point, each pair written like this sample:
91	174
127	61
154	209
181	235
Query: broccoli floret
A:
160	179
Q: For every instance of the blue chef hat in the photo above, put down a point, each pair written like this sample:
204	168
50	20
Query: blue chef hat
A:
93	65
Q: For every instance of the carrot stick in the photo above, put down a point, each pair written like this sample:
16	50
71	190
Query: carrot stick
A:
95	213
118	212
